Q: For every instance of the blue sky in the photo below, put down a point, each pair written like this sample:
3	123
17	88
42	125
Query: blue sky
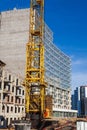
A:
68	21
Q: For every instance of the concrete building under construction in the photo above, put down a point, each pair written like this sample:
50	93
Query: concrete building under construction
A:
14	34
12	96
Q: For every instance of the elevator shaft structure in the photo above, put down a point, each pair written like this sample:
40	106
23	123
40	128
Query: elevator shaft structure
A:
35	71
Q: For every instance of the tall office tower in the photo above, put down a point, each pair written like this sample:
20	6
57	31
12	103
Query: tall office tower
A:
79	100
83	98
75	101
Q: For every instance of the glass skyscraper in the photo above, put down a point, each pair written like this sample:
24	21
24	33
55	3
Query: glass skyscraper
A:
57	64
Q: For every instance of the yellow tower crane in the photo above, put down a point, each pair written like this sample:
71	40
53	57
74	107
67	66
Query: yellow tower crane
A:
35	84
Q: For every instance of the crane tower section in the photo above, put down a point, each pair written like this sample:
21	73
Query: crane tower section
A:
35	85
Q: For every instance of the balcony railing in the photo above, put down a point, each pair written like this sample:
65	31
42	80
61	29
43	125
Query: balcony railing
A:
5	101
6	91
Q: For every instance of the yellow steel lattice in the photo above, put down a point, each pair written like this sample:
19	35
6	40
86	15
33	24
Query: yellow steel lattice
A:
35	85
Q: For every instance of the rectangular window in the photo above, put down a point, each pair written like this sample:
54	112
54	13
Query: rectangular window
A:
4	85
7	109
11	109
19	100
19	91
12	99
9	77
7	121
15	109
16	81
19	109
8	87
22	100
3	108
8	98
23	92
13	89
10	120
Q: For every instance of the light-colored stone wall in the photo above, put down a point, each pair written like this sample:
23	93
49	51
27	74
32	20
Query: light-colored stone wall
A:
14	33
12	103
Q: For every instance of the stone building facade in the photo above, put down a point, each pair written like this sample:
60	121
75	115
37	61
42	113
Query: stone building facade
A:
12	96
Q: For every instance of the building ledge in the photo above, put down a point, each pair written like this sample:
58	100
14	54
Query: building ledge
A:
64	110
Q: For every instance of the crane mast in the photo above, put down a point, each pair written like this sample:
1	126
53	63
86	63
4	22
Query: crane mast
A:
35	84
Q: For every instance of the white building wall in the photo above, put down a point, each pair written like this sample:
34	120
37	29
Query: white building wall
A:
12	104
14	33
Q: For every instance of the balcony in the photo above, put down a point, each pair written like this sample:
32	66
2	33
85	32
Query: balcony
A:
6	88
6	81
18	95
18	86
18	92
6	91
17	101
19	104
5	101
